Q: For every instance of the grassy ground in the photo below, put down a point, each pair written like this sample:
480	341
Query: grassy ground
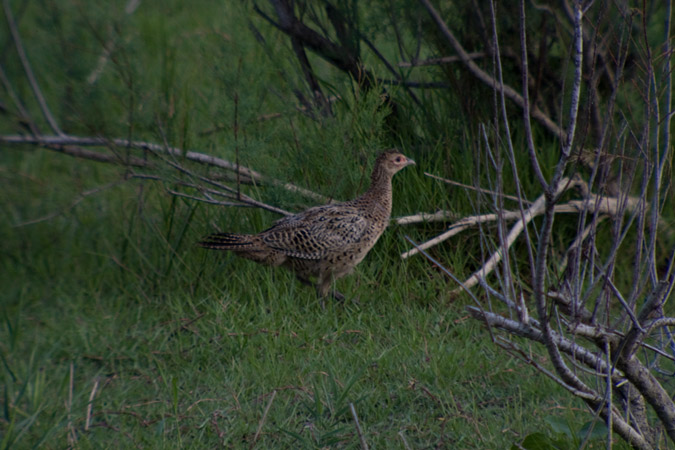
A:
117	331
181	347
111	304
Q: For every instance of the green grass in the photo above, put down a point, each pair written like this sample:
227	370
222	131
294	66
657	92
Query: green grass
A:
179	347
187	346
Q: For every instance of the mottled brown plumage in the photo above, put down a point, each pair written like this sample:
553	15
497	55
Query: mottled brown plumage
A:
326	241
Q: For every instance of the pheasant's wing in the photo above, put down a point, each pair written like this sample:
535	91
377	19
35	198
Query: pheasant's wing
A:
317	231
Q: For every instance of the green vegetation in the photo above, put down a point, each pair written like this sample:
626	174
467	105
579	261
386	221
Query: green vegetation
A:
187	346
117	331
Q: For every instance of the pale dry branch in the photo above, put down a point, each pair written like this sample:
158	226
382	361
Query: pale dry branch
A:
532	331
473	221
202	158
591	329
602	205
90	405
529	214
439	216
661	322
458	227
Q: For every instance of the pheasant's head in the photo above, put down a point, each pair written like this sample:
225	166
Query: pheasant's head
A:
391	161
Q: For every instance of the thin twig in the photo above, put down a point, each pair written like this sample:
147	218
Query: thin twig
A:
72	436
477	189
72	205
109	46
90	405
16	37
241	197
23	114
362	438
405	441
208	200
264	417
416	84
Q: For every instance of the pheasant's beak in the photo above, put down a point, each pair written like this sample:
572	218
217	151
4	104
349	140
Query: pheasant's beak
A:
409	162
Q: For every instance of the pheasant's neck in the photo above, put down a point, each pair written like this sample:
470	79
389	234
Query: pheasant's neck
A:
378	196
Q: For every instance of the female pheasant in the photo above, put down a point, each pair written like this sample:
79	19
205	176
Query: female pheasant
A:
327	241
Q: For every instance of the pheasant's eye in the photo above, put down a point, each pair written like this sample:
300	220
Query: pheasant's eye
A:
399	159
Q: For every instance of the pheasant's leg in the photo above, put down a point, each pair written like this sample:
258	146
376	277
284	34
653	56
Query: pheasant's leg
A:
323	286
320	290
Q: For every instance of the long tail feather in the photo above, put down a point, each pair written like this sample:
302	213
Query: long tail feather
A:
227	241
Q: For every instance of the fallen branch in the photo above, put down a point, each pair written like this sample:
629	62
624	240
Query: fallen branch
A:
602	205
439	216
63	142
536	209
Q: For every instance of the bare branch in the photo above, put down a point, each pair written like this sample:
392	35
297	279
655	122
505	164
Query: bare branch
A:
526	97
593	204
426	217
579	353
325	48
536	208
483	76
202	158
16	37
